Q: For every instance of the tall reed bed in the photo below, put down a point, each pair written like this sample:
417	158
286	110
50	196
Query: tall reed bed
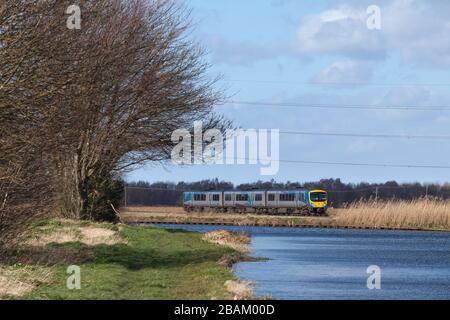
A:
426	213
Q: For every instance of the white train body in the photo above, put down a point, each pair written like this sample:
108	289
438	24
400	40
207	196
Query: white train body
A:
284	201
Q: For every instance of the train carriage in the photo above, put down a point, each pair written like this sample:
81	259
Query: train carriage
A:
203	201
299	201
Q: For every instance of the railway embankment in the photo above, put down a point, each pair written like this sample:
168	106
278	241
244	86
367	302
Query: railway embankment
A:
351	218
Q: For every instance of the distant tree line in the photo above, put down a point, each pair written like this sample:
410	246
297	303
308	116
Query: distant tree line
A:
170	194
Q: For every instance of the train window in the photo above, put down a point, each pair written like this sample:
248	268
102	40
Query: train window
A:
228	197
287	197
271	197
258	197
200	197
242	197
216	197
318	196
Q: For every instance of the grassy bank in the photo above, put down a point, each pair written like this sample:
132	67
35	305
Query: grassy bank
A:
420	214
121	262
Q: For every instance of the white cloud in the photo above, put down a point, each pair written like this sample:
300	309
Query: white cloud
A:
418	30
342	31
345	72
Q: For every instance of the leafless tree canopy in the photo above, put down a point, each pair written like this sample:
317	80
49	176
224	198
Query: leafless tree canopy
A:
78	107
26	182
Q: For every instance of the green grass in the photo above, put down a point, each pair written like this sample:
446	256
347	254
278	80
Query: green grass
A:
154	264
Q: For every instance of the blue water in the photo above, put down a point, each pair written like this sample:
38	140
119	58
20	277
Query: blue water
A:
332	263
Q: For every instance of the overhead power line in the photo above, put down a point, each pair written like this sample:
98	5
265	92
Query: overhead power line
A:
342	106
305	133
367	164
335	163
336	83
181	189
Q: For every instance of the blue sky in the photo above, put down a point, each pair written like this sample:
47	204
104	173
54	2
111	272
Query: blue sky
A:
321	52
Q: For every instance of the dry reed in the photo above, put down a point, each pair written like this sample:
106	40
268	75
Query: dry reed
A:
423	213
236	240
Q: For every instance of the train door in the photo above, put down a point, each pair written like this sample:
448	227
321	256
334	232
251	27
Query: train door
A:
271	201
258	199
215	199
301	199
228	199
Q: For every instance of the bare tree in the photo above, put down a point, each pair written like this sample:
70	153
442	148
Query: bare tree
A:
105	98
26	188
139	78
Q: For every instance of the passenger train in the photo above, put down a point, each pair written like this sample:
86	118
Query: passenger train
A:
300	201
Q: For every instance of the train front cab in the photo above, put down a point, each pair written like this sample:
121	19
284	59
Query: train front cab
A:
318	201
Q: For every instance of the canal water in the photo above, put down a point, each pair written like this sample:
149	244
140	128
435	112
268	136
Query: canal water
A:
333	263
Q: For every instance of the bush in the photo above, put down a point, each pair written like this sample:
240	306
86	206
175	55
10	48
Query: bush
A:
103	198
